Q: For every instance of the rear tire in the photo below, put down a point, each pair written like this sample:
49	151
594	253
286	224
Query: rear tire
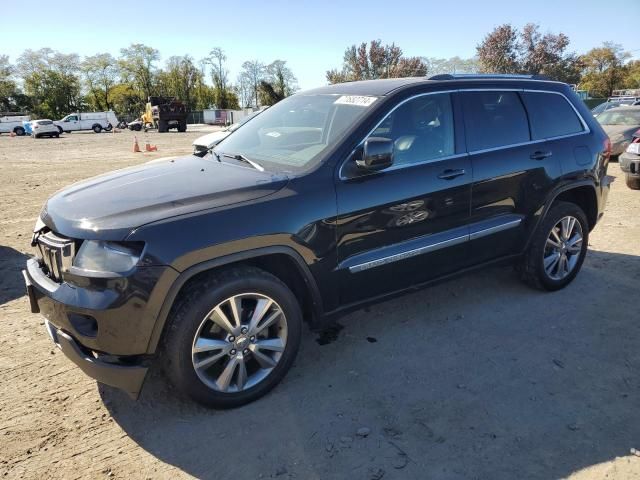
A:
163	126
182	126
632	182
546	267
252	373
97	128
19	131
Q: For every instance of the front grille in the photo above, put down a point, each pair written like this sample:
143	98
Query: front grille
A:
56	254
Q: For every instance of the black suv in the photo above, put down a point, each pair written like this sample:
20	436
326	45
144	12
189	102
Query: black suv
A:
330	199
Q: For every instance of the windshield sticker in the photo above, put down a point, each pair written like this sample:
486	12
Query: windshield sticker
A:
273	134
357	100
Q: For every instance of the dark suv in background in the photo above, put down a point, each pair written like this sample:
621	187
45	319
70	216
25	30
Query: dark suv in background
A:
331	199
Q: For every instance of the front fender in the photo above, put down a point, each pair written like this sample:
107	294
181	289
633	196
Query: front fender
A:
176	283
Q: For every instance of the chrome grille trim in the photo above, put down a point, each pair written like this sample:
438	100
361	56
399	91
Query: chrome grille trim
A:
57	253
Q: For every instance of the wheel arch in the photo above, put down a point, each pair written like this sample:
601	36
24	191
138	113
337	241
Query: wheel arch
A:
581	193
281	261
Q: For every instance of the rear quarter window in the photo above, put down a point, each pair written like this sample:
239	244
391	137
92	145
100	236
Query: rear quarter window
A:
550	115
494	119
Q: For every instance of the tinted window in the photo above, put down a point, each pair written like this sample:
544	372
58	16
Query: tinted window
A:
421	129
550	115
494	119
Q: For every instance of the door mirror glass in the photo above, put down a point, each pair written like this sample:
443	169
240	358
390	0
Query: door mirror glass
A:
377	154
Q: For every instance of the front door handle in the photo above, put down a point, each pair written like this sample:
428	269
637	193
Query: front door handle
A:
450	174
538	155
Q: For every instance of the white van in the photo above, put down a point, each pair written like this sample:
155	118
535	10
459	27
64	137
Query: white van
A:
14	124
96	121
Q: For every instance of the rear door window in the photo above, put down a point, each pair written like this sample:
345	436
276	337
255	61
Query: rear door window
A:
550	115
494	119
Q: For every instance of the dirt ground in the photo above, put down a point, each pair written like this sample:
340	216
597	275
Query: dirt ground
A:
477	378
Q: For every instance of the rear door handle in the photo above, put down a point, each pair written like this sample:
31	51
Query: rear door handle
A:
450	174
538	155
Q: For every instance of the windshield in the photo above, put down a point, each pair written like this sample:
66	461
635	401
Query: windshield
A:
292	135
620	117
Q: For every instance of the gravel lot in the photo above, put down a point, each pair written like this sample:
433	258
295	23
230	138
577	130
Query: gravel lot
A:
479	377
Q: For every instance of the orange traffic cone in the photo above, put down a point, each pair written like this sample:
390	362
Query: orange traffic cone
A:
12	134
136	147
147	147
153	148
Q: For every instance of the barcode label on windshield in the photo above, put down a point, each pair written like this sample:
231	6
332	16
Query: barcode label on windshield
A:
357	100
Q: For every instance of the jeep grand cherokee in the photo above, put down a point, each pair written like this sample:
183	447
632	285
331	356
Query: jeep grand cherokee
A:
331	199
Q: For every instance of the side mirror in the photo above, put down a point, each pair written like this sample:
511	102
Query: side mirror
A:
377	154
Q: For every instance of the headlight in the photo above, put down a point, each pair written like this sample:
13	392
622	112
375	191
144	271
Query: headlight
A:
100	256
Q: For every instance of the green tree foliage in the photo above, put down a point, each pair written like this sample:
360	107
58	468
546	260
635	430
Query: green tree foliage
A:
507	50
603	70
11	98
50	80
179	79
101	73
279	83
376	61
137	68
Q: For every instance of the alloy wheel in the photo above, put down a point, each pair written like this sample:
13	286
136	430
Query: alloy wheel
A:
239	342
563	247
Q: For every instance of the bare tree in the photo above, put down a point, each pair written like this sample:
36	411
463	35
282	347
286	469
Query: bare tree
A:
253	72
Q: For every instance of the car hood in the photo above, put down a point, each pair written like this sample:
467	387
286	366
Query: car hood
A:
111	206
211	139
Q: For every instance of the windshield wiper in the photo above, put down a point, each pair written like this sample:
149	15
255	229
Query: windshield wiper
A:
242	158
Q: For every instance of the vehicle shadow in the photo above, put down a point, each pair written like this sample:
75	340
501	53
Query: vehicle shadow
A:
479	377
11	283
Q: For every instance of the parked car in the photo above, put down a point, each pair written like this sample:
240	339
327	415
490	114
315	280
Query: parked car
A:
620	124
203	144
13	123
44	128
96	121
330	200
630	162
603	107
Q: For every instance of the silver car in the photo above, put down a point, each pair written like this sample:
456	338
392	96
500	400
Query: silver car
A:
620	124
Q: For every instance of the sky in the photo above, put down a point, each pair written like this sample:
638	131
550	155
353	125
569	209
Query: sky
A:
310	36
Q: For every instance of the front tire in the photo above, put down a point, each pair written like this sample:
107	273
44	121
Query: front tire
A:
632	182
557	249
60	130
232	337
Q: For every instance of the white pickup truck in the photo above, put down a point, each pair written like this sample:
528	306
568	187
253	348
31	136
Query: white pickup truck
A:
96	121
13	124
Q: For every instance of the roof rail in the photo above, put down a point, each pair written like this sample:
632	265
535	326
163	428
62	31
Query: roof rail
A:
480	76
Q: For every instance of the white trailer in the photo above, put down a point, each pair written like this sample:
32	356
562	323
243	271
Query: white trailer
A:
13	123
96	121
